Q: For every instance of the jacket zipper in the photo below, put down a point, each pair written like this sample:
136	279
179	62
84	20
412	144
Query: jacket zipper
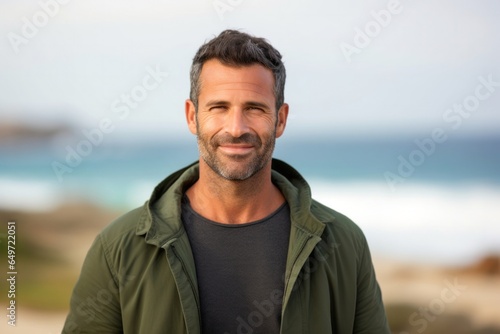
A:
193	287
288	280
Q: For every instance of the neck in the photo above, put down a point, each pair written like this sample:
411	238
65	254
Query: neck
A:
234	202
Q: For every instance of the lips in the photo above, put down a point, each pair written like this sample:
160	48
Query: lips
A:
236	149
236	146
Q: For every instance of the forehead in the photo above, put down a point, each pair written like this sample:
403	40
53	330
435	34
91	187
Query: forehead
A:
217	77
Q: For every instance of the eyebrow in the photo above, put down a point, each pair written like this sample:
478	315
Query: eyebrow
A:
246	104
257	104
217	103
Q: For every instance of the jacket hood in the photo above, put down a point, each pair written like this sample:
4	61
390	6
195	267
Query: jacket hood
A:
161	221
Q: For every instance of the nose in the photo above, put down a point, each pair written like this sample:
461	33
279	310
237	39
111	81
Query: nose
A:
236	123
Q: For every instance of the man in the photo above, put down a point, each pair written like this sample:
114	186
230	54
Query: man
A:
233	243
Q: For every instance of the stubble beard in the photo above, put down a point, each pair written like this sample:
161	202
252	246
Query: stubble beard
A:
244	169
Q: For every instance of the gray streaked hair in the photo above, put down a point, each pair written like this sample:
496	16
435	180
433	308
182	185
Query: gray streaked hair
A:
235	48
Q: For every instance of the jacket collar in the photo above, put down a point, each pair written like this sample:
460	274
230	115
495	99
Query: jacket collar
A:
161	219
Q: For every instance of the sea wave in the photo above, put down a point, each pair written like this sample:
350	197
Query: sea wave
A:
29	195
421	222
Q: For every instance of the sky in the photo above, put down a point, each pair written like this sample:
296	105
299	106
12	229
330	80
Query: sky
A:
354	68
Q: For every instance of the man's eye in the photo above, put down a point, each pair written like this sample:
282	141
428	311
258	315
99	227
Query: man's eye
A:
217	108
255	109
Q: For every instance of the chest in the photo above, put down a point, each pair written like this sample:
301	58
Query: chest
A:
240	272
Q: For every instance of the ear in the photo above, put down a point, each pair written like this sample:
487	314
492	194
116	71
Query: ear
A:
282	117
191	116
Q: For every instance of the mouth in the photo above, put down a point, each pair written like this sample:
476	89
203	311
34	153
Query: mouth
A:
236	149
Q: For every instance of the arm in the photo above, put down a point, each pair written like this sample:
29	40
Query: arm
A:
370	312
95	303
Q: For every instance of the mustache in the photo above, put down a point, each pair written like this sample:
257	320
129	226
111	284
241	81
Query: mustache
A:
246	138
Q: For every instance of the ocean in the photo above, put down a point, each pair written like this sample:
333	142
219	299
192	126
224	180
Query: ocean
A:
416	200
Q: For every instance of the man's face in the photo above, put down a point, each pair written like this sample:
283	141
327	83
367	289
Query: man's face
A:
236	123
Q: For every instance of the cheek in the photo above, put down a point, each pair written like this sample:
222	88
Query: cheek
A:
208	124
269	126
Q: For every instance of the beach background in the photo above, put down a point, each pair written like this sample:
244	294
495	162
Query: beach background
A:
394	121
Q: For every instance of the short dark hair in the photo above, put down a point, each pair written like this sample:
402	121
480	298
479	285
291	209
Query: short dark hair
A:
235	48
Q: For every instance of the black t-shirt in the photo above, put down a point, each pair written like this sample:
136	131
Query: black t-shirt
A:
240	270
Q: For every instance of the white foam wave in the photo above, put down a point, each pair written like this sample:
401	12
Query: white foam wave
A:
421	222
29	195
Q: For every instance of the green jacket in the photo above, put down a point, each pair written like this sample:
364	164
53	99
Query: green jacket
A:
139	275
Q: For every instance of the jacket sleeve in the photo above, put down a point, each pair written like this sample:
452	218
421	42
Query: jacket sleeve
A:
95	305
370	312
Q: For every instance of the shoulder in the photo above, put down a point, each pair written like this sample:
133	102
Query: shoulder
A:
335	219
119	241
340	228
122	247
123	226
